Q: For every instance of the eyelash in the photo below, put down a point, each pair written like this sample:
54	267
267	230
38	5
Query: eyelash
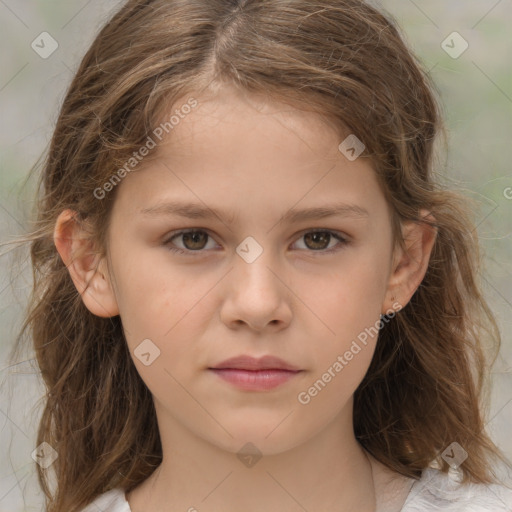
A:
343	241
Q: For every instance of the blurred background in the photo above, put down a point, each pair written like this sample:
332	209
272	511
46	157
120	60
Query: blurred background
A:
466	46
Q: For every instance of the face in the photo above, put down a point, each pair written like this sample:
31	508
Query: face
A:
253	278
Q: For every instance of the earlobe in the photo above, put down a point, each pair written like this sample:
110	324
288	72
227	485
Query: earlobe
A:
410	265
87	268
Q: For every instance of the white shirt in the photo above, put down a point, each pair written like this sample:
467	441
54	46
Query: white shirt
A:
434	492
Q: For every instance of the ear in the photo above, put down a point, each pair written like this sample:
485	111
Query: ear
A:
87	268
409	266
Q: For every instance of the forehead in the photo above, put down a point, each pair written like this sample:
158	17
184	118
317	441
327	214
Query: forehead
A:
228	114
235	149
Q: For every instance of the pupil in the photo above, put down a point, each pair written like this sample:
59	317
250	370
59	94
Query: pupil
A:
194	237
316	236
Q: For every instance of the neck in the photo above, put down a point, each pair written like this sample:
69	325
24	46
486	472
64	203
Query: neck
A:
330	471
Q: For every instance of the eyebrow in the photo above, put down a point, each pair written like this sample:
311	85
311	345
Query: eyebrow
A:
198	211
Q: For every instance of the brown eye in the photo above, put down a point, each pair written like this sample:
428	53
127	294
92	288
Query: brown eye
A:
320	241
192	241
317	240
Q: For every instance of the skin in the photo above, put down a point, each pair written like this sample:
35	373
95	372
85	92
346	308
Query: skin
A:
257	159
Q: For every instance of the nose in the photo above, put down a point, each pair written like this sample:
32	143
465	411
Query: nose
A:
256	295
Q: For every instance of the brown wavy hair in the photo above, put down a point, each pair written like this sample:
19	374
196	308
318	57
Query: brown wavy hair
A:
341	59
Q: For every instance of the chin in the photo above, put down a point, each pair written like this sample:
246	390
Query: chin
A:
259	442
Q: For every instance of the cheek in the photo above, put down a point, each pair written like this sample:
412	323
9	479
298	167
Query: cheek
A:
166	306
147	300
350	308
351	299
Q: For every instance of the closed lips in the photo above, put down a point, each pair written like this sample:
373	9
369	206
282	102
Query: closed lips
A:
250	363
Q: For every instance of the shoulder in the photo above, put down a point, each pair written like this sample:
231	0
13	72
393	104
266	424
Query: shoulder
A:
111	501
437	491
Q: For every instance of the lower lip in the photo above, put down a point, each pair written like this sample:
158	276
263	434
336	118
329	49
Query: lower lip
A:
259	380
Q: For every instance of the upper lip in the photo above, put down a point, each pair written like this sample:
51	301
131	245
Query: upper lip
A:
245	362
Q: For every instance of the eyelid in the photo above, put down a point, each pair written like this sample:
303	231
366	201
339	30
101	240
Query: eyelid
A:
174	234
342	238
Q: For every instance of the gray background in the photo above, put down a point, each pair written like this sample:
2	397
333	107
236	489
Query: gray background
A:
476	92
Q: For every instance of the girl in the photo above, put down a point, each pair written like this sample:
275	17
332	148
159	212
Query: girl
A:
250	292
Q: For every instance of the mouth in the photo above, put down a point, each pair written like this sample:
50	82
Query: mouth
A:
249	373
246	362
255	380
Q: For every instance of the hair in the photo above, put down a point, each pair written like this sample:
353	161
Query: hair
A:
343	60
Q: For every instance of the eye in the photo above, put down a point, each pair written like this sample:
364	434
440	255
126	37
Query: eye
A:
194	240
318	240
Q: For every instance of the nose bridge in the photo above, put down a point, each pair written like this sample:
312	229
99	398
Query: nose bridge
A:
257	295
254	263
